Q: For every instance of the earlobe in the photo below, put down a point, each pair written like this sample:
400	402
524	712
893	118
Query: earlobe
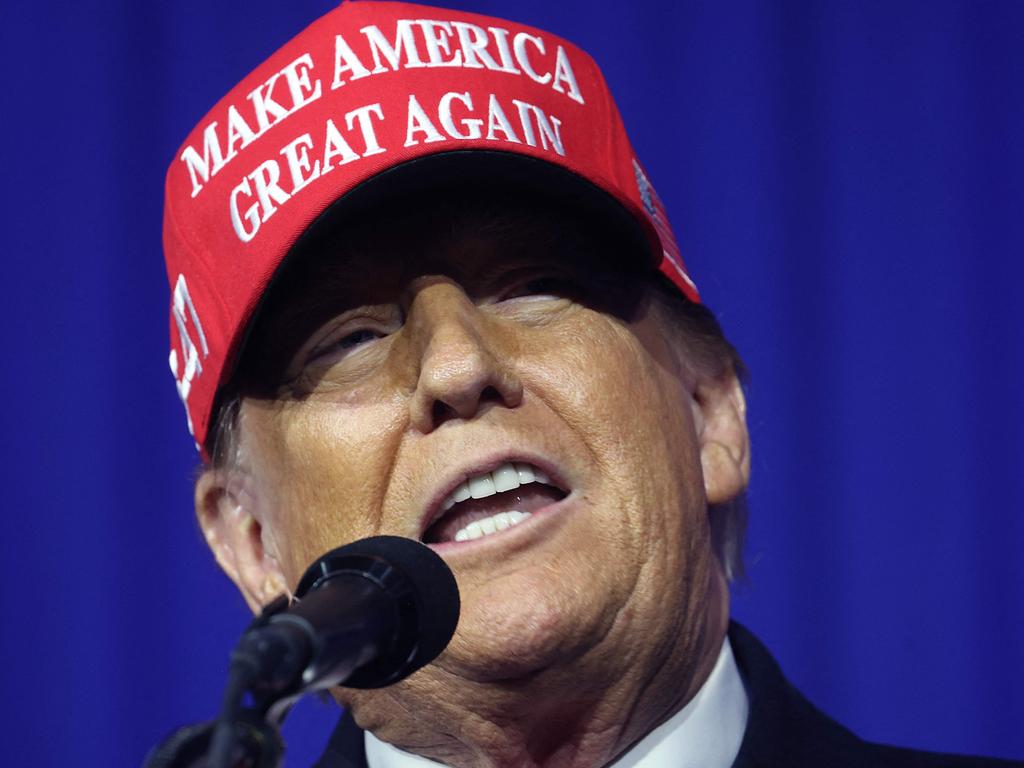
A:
723	436
234	533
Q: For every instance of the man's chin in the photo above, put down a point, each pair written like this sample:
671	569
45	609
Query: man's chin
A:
519	638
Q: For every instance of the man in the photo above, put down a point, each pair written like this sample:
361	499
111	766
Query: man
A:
482	337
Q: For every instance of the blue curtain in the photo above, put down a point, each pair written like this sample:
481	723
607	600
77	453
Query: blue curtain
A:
847	184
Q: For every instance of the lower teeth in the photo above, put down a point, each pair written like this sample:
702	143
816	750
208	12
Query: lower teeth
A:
489	525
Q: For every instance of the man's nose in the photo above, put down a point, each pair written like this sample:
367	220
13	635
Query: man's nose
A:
461	368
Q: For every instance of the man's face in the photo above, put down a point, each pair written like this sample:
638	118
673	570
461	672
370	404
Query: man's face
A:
454	346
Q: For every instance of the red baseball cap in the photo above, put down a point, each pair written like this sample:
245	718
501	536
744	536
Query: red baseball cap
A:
368	96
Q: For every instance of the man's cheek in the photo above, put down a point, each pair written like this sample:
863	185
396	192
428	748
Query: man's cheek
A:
614	377
333	469
331	507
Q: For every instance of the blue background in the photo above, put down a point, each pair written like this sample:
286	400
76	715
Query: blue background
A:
847	184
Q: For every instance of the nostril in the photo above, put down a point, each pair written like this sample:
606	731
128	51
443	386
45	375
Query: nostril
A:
490	393
441	412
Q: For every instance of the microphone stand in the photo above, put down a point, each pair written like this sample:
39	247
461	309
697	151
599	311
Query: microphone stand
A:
359	617
257	744
250	732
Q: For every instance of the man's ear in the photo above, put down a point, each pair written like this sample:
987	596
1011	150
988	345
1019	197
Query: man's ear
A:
724	441
226	514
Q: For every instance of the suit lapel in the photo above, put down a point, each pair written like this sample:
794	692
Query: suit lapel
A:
784	728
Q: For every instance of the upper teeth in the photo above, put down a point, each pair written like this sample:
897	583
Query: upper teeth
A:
507	477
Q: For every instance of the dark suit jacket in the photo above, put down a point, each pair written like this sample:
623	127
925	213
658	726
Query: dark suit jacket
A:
784	730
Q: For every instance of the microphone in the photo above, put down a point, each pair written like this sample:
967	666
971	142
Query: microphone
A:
367	615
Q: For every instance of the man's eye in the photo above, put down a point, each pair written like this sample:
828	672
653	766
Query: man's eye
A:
335	350
541	287
356	339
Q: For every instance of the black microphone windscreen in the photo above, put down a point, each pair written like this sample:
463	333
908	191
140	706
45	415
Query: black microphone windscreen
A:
425	592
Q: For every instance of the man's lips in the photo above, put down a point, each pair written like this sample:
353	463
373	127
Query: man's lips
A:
501	485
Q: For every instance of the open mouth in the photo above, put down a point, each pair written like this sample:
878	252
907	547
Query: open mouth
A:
493	501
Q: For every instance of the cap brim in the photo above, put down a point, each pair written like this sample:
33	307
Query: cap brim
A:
504	172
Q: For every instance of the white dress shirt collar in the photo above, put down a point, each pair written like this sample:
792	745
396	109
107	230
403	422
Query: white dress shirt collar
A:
706	733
